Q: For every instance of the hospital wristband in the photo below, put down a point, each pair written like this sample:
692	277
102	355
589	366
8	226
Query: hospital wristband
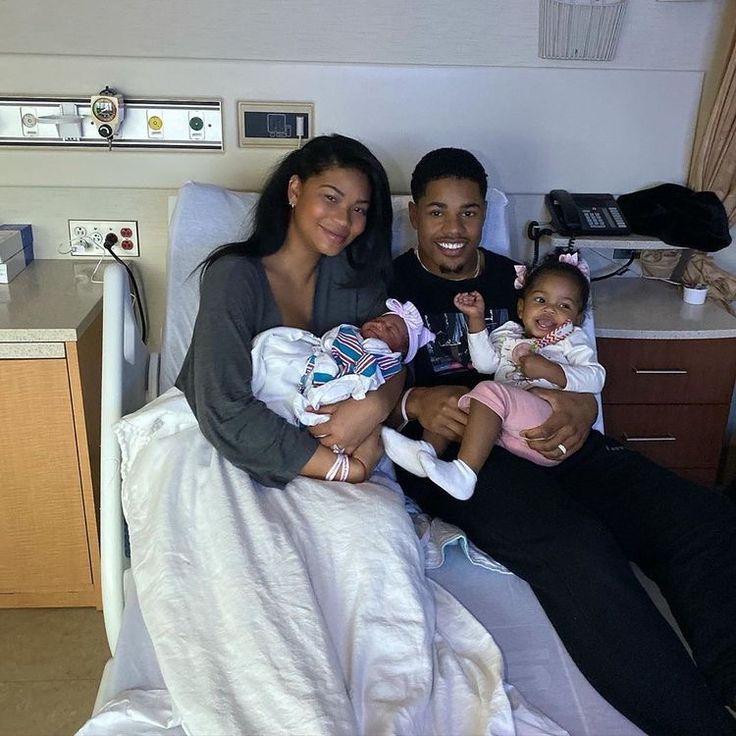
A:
404	417
340	468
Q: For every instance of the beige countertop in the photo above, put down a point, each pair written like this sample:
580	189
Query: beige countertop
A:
55	301
638	308
50	301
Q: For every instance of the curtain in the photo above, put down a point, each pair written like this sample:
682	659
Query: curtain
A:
713	167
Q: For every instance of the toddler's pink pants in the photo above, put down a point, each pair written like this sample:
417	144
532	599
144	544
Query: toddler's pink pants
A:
518	409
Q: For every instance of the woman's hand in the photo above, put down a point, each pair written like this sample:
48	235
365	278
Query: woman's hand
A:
369	452
436	409
350	422
569	425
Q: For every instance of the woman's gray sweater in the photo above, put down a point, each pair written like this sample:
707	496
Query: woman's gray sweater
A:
236	303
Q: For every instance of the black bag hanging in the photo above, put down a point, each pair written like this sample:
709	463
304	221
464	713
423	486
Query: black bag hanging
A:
679	216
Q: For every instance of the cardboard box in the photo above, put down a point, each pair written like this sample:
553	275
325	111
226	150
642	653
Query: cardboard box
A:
11	243
13	239
12	267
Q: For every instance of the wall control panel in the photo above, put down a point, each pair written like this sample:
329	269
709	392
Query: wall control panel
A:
104	122
286	124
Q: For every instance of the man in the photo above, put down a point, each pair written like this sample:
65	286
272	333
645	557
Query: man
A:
570	531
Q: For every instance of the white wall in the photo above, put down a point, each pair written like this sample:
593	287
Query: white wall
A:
432	32
404	77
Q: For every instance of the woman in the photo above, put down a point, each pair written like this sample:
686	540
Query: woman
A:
319	255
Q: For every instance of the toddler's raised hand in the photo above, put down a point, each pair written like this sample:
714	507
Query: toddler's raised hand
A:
471	304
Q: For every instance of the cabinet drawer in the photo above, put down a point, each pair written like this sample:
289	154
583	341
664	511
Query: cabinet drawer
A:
668	371
676	436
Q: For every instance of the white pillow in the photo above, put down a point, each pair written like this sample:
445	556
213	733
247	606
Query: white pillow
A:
206	216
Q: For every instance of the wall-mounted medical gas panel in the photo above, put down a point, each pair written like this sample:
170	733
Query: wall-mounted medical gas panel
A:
68	122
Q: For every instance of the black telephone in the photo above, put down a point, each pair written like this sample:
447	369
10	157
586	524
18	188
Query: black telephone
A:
585	214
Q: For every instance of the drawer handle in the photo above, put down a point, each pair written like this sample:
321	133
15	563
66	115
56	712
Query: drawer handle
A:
673	372
664	438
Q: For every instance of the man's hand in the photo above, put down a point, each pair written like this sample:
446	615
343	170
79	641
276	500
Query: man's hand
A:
569	425
436	410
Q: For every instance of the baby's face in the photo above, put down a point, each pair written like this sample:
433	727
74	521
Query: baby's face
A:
391	329
552	300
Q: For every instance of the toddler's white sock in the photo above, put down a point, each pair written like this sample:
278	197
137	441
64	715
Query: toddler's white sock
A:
405	452
457	477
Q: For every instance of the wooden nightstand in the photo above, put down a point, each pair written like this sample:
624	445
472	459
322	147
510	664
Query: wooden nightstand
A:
671	369
50	357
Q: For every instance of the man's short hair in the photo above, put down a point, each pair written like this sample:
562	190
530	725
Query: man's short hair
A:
447	162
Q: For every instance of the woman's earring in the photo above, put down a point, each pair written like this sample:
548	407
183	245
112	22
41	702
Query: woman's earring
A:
291	204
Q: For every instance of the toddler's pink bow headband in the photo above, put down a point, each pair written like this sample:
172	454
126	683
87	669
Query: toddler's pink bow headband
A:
522	272
419	335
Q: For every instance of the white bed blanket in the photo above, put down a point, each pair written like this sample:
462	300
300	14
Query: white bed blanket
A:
296	611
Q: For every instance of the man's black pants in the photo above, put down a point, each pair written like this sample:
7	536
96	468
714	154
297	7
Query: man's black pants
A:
569	531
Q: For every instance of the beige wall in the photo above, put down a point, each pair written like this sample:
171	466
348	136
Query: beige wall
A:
656	35
403	76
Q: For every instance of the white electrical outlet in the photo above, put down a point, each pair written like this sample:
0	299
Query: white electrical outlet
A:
87	237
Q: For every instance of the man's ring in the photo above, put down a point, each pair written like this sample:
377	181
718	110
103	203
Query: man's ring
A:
562	448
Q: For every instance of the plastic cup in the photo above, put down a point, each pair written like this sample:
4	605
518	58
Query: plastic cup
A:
694	294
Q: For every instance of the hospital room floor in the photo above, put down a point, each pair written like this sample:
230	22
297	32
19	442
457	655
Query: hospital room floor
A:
51	661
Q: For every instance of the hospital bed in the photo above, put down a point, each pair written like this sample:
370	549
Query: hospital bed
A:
535	661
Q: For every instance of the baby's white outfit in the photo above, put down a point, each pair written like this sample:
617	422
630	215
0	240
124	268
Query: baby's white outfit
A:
294	369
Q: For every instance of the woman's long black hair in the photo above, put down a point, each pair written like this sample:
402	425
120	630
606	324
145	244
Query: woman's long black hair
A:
370	253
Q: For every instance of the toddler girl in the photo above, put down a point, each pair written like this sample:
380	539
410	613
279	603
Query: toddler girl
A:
547	349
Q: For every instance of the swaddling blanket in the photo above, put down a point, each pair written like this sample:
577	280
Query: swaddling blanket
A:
296	611
294	369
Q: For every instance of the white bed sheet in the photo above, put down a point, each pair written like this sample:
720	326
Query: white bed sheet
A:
303	610
254	636
133	699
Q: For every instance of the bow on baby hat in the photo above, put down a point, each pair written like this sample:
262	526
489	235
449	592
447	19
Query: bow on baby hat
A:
419	335
522	272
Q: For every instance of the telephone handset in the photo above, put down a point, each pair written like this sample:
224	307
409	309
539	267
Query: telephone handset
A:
585	214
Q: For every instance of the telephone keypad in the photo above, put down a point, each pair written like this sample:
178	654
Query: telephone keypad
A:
594	219
618	218
604	218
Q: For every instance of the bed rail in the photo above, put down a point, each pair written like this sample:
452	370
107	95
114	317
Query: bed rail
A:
125	370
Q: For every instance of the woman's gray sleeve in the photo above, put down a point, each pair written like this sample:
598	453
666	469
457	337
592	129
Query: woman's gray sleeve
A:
216	379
